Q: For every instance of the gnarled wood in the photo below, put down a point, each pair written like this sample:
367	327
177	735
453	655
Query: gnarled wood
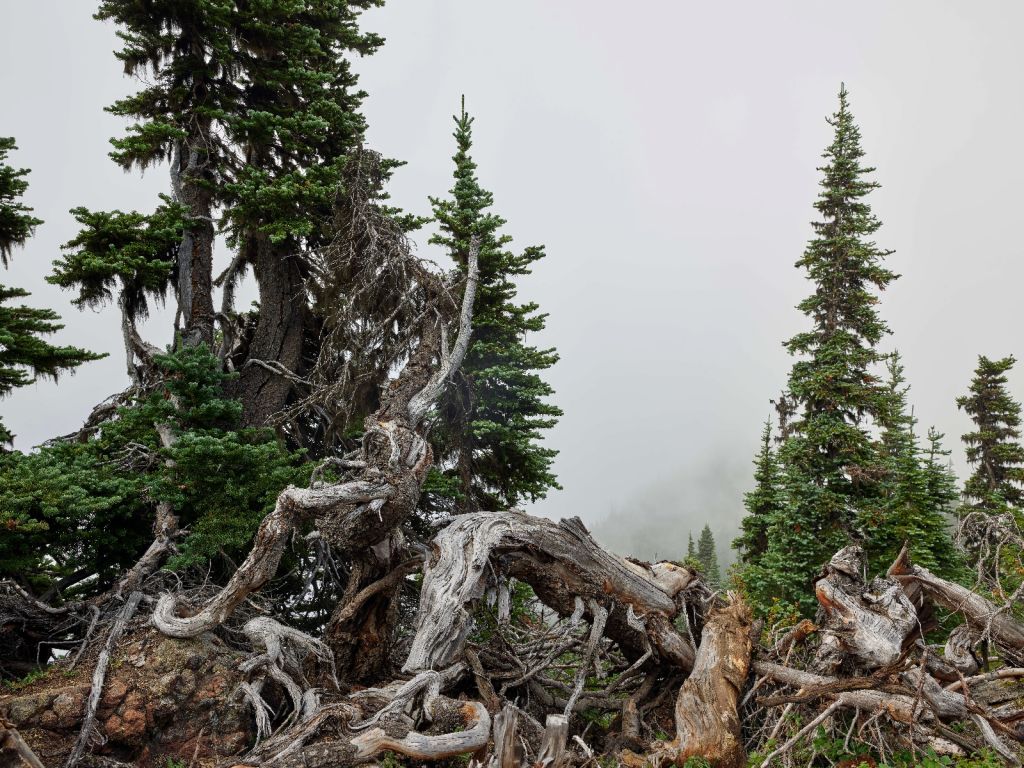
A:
707	720
560	561
869	623
984	616
472	716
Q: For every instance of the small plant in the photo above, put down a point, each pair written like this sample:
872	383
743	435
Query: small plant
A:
27	680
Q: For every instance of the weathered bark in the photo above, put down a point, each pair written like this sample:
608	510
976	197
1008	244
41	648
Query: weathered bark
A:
359	516
192	186
870	623
280	331
561	562
707	720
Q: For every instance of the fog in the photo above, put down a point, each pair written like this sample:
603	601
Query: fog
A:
665	154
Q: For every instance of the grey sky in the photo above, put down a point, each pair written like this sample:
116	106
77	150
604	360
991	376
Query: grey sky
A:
665	154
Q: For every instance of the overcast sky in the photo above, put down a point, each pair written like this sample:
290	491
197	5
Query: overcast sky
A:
665	154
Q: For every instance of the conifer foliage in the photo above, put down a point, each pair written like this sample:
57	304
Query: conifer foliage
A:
831	466
24	354
993	494
492	422
993	448
916	492
707	556
765	504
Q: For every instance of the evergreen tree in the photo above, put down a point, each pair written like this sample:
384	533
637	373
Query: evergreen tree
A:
764	504
912	490
691	550
993	448
86	506
24	355
256	108
830	460
707	556
488	437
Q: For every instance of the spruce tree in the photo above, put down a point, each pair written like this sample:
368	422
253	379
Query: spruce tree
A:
764	504
994	447
913	490
829	457
24	355
691	550
707	556
488	437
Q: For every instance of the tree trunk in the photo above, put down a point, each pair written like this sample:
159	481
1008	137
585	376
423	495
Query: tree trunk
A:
707	720
189	181
279	335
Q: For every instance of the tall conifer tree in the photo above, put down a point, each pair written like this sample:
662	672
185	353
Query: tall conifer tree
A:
493	420
830	459
24	355
994	447
256	108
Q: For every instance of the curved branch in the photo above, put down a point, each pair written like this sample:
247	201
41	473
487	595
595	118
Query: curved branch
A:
476	721
426	397
293	505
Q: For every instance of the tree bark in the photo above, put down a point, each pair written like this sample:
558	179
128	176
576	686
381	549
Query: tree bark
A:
190	182
561	562
707	720
280	331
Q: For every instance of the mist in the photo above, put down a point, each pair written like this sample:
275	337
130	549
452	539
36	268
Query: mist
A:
665	154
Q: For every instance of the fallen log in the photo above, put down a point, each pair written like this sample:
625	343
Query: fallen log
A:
707	720
988	619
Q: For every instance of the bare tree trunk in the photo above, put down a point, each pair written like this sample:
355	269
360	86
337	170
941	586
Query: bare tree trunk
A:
190	182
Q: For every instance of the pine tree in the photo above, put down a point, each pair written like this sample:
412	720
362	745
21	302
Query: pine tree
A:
24	355
913	489
764	504
492	422
993	448
691	550
707	556
830	460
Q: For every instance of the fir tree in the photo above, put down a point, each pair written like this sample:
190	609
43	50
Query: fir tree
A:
691	550
830	460
913	490
993	448
86	506
257	110
492	422
707	556
764	504
24	355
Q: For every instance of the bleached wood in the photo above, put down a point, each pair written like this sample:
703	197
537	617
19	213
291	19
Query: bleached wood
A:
559	560
706	710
